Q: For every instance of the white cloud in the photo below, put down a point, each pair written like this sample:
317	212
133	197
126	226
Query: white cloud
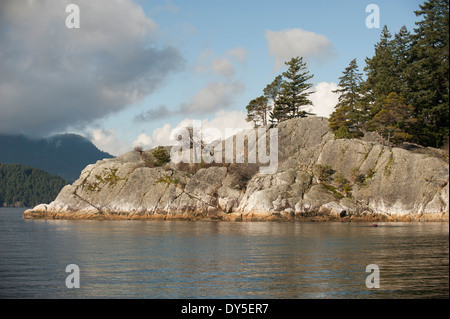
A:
163	136
143	140
215	96
107	141
234	121
288	43
223	66
324	99
73	77
223	121
212	98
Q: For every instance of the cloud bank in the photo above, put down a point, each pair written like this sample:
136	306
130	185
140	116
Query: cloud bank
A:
52	77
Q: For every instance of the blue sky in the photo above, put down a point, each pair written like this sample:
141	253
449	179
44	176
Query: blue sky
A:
163	63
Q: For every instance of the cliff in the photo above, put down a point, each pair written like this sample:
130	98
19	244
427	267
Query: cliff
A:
317	178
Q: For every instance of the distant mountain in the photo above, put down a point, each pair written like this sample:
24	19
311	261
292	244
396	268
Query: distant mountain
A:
65	155
21	186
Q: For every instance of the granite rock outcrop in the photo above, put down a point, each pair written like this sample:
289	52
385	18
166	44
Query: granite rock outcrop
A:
318	178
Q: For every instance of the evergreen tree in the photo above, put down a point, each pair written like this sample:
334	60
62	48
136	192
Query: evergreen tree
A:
257	111
429	73
392	122
271	92
381	77
347	112
294	91
342	122
401	46
273	89
349	86
161	155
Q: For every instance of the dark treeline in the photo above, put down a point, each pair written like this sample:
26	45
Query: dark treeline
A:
402	94
25	186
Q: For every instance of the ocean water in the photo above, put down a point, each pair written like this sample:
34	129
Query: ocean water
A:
174	259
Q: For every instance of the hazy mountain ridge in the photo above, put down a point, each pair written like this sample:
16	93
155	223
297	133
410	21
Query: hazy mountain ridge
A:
64	155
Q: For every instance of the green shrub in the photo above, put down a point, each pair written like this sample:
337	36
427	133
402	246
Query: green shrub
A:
342	132
161	156
343	183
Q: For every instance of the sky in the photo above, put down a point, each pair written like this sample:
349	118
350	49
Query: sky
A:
136	70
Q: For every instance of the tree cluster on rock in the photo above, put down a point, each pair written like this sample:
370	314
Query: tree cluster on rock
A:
404	97
285	98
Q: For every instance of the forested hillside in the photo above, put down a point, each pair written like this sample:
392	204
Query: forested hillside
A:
25	186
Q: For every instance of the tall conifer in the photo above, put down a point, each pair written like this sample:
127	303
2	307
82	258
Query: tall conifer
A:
429	73
295	89
347	112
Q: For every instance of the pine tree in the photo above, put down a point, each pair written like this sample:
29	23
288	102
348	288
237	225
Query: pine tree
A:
392	122
349	86
271	92
341	122
347	112
294	91
161	155
429	73
381	77
401	46
273	89
258	111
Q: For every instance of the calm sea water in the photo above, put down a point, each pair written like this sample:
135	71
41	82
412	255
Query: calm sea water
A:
150	259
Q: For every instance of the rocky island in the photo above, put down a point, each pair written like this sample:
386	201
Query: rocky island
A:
319	178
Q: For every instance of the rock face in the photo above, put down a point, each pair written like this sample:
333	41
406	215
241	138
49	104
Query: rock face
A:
318	178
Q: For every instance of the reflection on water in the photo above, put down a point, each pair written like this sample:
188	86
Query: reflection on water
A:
151	259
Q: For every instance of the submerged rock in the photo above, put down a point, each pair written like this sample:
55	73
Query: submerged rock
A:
318	178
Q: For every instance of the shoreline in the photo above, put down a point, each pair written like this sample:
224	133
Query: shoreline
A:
236	217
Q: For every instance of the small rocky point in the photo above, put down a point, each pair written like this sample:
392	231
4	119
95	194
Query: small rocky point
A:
319	178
